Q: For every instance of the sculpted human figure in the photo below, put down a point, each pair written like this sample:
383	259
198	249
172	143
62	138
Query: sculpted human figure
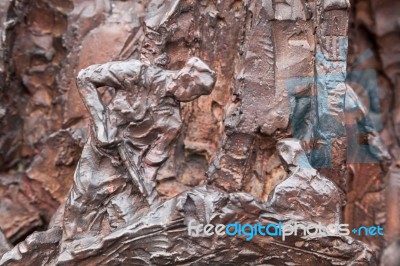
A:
129	139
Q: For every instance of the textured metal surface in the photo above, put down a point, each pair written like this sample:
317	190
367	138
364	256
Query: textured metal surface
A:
108	150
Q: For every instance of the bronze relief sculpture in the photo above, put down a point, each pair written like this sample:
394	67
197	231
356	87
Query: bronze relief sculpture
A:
113	207
133	131
130	138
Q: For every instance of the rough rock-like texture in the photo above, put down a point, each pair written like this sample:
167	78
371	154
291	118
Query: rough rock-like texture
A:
43	121
160	238
283	71
373	58
319	200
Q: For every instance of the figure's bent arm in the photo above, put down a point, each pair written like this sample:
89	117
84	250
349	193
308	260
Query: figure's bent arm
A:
113	74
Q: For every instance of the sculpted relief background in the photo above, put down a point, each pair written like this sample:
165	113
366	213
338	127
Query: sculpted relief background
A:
121	122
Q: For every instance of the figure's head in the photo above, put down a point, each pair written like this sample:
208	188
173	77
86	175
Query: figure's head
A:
193	80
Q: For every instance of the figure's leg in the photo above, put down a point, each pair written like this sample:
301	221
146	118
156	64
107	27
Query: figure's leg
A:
140	173
126	206
169	128
96	180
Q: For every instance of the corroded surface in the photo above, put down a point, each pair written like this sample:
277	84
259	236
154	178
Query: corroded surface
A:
291	129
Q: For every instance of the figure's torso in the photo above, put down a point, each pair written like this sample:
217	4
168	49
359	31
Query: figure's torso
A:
139	111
